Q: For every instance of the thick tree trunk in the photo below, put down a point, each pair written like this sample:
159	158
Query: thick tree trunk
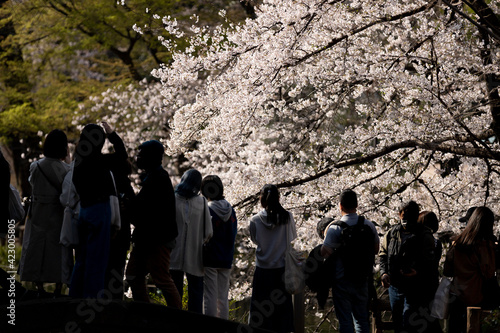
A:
490	32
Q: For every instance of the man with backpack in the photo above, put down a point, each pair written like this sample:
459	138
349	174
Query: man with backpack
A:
353	241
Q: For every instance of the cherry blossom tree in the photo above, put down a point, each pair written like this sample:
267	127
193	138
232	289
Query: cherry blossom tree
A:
397	100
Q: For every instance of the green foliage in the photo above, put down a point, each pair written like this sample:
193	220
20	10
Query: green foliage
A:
491	323
55	54
4	258
157	297
19	120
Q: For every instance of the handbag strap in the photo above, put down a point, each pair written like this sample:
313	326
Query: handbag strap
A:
204	218
114	184
287	229
70	183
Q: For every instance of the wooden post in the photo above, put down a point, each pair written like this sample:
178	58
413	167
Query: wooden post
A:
473	320
299	312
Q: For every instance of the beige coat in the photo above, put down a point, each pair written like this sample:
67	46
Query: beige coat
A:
191	215
43	257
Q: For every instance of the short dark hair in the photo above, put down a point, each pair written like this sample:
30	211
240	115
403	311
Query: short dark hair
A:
211	187
322	225
153	151
56	144
410	211
429	219
348	199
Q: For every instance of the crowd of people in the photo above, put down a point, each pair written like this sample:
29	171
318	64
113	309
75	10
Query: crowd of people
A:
188	233
174	228
409	255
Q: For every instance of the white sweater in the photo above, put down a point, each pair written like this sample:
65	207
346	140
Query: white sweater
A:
191	214
271	240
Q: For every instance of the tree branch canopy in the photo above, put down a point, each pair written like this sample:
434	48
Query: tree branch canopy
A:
438	146
321	96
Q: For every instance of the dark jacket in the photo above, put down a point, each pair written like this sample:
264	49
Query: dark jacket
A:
402	251
92	177
319	274
471	268
153	211
219	251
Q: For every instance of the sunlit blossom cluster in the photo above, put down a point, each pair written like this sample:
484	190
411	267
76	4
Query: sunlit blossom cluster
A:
385	97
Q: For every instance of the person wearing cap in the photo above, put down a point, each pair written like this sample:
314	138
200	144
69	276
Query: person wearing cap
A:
470	260
154	218
219	251
467	216
465	219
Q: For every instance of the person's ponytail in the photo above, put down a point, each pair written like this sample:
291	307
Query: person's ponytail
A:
269	197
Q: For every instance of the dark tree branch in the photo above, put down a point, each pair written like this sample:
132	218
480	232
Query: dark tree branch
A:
249	8
335	41
441	145
490	23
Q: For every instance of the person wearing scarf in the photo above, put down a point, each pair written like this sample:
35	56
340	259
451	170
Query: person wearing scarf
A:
195	228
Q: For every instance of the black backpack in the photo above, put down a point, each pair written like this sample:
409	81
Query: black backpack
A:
357	250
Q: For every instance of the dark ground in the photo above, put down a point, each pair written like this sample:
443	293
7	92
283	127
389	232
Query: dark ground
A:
90	315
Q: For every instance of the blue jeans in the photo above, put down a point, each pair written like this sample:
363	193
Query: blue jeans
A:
411	316
94	233
399	307
351	306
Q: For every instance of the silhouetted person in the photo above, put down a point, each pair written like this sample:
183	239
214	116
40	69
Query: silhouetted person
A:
4	197
430	220
195	229
350	287
406	262
471	262
120	239
155	230
94	184
43	257
218	257
271	230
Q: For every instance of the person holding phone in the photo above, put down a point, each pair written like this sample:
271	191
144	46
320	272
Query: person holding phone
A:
94	183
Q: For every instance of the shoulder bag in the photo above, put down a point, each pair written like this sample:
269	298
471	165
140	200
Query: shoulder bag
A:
69	229
16	209
294	274
114	202
441	300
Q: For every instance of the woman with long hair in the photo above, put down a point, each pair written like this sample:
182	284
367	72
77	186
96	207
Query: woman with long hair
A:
94	183
271	230
471	263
